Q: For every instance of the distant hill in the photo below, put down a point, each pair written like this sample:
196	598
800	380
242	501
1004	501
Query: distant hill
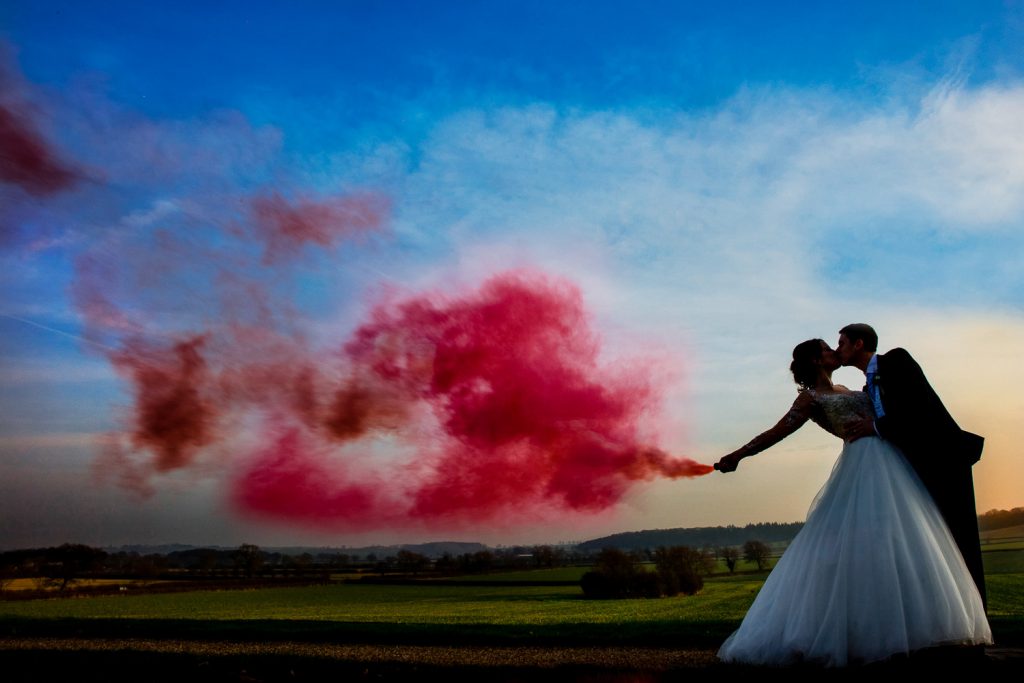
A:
165	549
769	532
1006	532
432	550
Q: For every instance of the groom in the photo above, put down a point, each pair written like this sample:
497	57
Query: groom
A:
911	416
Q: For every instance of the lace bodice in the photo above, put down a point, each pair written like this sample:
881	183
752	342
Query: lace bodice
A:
835	410
832	411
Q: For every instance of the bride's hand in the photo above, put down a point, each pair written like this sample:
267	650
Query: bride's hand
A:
728	463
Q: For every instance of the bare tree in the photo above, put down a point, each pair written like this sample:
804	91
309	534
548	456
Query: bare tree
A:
248	558
69	561
411	563
730	555
544	556
756	551
207	560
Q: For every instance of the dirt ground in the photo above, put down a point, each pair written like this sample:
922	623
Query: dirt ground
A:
84	659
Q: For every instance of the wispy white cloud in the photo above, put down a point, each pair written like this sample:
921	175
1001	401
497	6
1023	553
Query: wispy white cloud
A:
751	204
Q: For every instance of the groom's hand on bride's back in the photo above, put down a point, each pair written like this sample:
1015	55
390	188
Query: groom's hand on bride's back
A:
858	429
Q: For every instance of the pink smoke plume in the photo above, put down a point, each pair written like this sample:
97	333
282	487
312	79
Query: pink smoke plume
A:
201	329
32	167
494	403
529	415
27	160
285	226
174	412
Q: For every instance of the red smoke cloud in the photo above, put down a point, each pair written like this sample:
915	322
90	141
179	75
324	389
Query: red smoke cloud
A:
286	227
196	317
439	411
27	160
31	169
525	417
174	411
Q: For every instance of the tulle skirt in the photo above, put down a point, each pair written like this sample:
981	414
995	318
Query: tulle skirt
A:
873	573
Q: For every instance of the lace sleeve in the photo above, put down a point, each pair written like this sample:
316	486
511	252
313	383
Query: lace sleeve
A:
794	418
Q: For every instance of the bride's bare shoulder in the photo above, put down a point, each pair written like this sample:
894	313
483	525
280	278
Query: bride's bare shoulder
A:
804	398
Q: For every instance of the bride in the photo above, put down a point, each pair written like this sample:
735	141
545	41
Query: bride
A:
874	572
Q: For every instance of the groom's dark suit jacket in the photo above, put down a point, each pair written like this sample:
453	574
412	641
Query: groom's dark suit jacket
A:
916	421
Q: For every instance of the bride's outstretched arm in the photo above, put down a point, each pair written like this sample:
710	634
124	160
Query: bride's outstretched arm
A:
794	418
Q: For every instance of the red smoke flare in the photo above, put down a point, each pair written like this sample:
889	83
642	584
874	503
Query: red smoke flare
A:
529	419
26	159
235	350
30	168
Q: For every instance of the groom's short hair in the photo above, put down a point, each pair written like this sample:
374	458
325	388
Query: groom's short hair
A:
863	332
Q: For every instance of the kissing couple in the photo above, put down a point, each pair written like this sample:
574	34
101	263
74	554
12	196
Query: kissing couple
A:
889	559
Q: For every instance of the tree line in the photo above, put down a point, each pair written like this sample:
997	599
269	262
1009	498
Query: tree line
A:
60	568
676	569
1001	519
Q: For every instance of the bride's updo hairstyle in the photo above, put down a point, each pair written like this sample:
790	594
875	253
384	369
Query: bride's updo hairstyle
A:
803	367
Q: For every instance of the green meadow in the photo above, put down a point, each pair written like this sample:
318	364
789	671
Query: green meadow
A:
432	612
501	627
436	611
511	607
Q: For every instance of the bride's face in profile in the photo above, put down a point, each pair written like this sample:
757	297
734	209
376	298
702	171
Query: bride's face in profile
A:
829	358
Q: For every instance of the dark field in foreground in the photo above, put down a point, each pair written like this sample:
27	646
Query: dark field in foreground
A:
487	632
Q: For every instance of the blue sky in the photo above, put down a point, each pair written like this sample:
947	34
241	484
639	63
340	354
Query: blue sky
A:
722	180
370	63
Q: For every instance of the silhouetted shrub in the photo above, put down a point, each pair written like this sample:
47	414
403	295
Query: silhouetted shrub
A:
645	584
679	569
597	586
619	575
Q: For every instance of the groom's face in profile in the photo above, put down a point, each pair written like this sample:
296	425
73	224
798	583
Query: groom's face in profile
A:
846	349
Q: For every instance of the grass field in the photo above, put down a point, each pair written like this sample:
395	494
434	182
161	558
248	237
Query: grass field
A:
500	628
342	631
1007	561
423	604
1008	544
414	612
437	613
553	574
1005	532
573	573
428	613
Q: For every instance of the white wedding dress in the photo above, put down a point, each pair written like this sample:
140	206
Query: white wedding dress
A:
873	573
